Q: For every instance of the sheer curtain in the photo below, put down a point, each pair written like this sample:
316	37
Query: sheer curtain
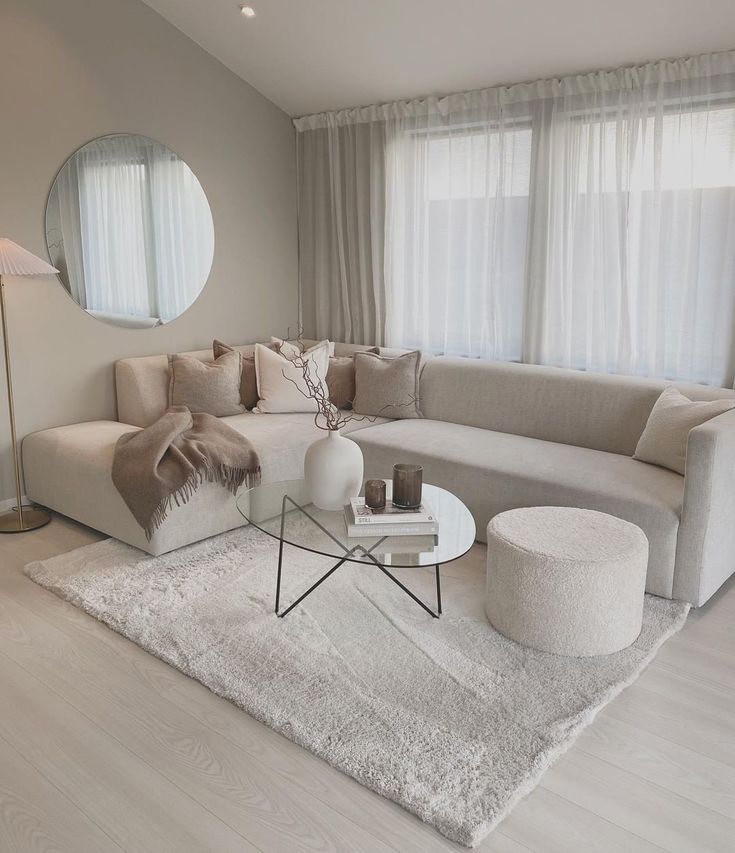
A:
183	235
144	228
631	261
115	225
586	222
456	223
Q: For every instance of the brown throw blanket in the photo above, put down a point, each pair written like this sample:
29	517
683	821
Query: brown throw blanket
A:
164	463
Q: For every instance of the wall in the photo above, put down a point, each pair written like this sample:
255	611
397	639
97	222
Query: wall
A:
77	69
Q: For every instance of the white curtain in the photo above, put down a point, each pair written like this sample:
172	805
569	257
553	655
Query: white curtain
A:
145	228
182	231
456	223
585	222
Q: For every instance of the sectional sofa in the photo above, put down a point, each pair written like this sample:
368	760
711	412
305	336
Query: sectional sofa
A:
499	435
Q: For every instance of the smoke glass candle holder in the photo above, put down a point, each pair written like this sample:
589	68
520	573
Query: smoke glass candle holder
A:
375	494
407	483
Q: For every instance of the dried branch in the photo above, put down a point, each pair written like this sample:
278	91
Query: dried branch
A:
333	419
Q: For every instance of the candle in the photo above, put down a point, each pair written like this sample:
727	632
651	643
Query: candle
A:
407	482
375	494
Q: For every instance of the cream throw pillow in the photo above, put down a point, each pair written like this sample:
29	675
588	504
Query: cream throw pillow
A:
664	440
281	383
212	387
291	347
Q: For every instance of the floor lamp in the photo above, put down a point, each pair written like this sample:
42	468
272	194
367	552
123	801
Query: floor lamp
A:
16	261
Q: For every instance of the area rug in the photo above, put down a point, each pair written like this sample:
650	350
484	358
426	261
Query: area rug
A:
443	716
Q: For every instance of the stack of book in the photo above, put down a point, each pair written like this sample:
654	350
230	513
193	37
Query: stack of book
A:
361	520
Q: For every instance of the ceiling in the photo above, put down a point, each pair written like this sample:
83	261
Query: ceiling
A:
313	55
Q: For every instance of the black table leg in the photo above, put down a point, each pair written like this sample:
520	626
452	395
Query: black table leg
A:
405	588
280	553
314	585
334	568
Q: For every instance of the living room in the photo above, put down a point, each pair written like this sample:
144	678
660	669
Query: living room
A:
366	461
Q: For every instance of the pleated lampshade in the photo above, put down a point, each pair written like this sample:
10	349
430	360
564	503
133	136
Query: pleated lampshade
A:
15	260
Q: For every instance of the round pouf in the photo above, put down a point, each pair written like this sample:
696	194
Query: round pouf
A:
566	580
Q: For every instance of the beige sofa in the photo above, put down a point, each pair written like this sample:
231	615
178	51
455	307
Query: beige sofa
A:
499	435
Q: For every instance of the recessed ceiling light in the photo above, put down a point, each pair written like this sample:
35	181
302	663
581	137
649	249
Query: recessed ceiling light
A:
247	11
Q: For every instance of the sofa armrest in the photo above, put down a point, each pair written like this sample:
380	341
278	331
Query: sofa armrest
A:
705	553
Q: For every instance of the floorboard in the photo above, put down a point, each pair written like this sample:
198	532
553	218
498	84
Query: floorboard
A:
36	817
104	747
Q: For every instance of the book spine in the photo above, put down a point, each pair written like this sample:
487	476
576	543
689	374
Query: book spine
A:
374	530
377	521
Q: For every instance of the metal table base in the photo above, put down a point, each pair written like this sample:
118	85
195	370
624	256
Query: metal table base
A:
348	553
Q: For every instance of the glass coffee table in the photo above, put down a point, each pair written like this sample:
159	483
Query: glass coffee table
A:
283	511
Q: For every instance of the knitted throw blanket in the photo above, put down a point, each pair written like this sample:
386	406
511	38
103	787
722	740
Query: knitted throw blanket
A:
163	464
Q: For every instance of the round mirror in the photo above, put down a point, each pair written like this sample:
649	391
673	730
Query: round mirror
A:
130	230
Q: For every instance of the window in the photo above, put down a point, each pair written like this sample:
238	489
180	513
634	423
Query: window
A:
615	252
458	283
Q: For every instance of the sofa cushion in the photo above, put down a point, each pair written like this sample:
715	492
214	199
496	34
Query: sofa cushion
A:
494	471
211	387
595	410
283	380
341	379
387	385
248	377
142	382
674	416
82	454
281	440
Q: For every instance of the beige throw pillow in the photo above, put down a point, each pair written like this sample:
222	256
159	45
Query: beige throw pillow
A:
387	387
281	383
341	380
211	387
664	440
248	378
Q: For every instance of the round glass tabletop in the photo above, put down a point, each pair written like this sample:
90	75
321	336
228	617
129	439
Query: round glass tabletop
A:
283	510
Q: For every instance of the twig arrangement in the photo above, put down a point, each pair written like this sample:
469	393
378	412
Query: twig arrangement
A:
328	417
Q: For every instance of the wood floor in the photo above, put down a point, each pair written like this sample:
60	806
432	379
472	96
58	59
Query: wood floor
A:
105	748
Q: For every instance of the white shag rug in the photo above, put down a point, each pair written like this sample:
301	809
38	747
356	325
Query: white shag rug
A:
444	716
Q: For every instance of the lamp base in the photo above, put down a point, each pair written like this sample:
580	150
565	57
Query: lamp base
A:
32	519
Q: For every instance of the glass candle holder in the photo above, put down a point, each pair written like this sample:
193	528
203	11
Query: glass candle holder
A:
407	482
375	494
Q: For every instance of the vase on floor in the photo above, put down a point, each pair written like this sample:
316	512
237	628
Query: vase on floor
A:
333	469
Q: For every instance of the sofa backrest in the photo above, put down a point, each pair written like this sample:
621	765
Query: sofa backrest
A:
142	383
595	410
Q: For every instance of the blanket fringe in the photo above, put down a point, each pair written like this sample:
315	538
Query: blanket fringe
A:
232	478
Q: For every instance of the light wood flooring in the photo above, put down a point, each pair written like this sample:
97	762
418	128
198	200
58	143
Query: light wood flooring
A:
105	748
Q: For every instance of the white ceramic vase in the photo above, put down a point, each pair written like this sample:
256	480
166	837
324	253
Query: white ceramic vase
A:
333	469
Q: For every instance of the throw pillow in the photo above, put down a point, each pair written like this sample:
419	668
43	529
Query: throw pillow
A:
664	439
211	387
248	378
281	386
291	347
341	380
387	387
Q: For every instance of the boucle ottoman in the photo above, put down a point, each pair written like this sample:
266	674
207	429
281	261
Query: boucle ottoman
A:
566	580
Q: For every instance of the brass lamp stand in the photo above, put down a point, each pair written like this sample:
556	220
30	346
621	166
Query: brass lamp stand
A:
16	261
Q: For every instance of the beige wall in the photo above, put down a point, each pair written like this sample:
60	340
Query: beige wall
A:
73	70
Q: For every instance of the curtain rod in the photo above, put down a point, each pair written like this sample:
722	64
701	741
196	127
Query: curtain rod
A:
625	77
